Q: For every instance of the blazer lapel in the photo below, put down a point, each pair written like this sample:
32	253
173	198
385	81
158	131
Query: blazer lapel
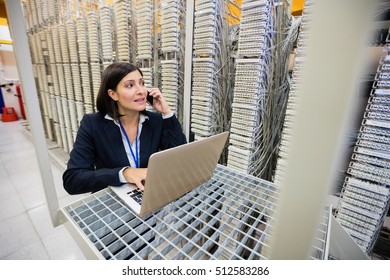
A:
114	140
145	140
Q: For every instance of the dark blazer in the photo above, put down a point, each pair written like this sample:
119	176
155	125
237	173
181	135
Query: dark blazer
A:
98	153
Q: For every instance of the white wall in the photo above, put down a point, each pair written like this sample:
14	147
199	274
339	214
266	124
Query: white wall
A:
8	71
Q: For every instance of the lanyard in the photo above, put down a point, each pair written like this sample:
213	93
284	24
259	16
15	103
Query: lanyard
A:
135	157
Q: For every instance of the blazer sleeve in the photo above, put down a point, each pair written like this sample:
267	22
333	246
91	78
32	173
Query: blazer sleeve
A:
81	176
172	134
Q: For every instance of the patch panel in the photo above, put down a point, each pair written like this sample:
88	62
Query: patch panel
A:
204	34
371	152
375	130
241	132
362	204
208	86
202	108
383	76
201	98
234	164
207	123
381	91
254	18
371	160
250	61
253	25
237	160
249	78
377	123
374	138
170	75
170	85
209	23
356	228
204	18
382	84
253	39
255	85
197	103
378	107
244	113
208	71
246	121
263	14
203	82
350	192
144	56
252	32
169	63
169	69
199	41
173	93
170	43
204	12
251	52
344	216
385	67
205	89
380	198
249	92
245	106
376	99
200	117
376	115
170	9
251	47
246	68
204	51
242	139
246	93
199	127
173	25
373	145
205	6
201	112
364	214
241	144
204	59
254	4
363	175
239	152
203	65
204	46
244	101
237	155
171	99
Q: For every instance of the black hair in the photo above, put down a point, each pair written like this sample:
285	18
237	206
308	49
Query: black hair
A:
111	77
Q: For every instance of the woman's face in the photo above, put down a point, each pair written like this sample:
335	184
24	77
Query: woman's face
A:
130	93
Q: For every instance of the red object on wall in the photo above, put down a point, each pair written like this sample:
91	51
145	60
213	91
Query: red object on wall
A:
19	95
9	114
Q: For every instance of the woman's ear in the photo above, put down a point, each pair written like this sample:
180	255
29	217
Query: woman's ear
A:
112	94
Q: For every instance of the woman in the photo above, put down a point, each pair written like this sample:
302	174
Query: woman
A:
113	146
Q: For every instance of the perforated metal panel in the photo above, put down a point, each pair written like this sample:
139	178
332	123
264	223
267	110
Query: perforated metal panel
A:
229	217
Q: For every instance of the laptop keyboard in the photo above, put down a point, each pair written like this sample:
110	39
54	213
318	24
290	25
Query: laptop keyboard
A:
136	195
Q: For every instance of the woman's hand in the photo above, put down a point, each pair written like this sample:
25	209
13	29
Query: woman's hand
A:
135	176
159	102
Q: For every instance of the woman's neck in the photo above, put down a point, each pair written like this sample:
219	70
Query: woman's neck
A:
130	118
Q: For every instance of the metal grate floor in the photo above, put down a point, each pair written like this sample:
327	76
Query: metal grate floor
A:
228	217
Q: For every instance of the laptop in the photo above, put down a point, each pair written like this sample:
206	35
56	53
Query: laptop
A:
173	173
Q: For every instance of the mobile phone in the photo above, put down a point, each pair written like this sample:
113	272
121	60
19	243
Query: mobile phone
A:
149	98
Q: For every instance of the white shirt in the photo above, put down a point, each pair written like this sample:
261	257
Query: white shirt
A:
142	119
